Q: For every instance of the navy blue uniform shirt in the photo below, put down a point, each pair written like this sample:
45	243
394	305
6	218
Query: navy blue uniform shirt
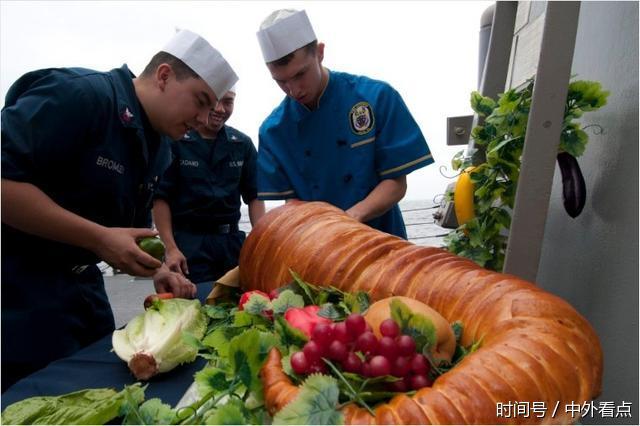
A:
360	134
79	135
203	188
207	178
82	137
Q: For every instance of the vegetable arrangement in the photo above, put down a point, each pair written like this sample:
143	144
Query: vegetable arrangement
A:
325	335
486	191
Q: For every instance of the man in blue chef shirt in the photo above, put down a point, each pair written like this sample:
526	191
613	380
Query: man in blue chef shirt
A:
337	137
197	207
82	153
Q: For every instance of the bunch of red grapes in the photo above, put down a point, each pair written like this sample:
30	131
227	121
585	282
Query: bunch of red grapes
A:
393	354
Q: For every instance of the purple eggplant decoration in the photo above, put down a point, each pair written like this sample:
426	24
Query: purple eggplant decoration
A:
574	190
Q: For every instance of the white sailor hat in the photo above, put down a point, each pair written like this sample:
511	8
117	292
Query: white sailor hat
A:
283	32
204	59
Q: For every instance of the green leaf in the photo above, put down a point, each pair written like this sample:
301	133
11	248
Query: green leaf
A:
192	340
328	310
216	311
481	104
286	365
245	319
211	380
219	339
502	143
151	412
241	355
285	300
289	336
247	353
307	289
362	302
316	404
458	329
415	325
231	413
133	395
457	160
588	95
423	332
242	319
400	313
88	406
573	140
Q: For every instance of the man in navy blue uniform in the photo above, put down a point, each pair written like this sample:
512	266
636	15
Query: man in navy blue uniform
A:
82	153
336	137
197	207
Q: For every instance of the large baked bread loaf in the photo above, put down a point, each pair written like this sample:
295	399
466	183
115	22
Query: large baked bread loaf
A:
535	348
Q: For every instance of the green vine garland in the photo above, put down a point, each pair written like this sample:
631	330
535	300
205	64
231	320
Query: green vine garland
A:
483	239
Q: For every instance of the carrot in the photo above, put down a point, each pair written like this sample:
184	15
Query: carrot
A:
278	388
148	301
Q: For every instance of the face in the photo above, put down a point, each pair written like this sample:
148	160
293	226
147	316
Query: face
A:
301	78
221	113
180	104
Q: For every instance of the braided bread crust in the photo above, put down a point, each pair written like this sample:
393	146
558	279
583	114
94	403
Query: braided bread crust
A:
534	346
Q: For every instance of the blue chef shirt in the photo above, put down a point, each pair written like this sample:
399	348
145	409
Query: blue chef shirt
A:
360	134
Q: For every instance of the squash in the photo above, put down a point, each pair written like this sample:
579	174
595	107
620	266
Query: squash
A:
463	204
446	340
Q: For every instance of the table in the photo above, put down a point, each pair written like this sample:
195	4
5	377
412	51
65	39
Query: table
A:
96	366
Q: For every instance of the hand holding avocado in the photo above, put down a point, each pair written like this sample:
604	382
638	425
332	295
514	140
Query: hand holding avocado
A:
119	248
154	246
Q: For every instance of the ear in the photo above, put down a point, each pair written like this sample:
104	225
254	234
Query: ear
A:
163	73
320	52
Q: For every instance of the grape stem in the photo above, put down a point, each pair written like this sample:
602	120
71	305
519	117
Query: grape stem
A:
355	396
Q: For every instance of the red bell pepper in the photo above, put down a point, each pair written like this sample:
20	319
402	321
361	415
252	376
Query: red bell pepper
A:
304	319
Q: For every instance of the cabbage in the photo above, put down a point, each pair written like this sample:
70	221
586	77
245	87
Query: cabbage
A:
153	342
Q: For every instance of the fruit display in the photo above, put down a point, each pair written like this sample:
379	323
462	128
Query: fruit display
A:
531	346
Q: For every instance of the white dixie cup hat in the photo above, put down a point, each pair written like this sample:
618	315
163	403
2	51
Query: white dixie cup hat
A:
204	59
283	32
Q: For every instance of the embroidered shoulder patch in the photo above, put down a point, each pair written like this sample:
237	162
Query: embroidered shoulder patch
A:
361	118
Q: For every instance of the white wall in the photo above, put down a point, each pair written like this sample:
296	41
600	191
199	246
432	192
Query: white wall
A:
592	261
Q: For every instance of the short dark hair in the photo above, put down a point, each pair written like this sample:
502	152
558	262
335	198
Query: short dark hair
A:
309	49
181	70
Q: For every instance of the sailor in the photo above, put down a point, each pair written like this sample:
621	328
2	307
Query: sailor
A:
197	207
336	137
82	153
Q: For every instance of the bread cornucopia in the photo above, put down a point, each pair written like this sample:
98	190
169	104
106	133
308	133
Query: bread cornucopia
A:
534	346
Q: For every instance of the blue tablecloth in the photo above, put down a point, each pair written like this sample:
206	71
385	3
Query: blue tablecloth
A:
96	366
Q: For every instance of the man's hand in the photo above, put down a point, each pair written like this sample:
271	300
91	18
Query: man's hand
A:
176	262
166	281
119	248
383	197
